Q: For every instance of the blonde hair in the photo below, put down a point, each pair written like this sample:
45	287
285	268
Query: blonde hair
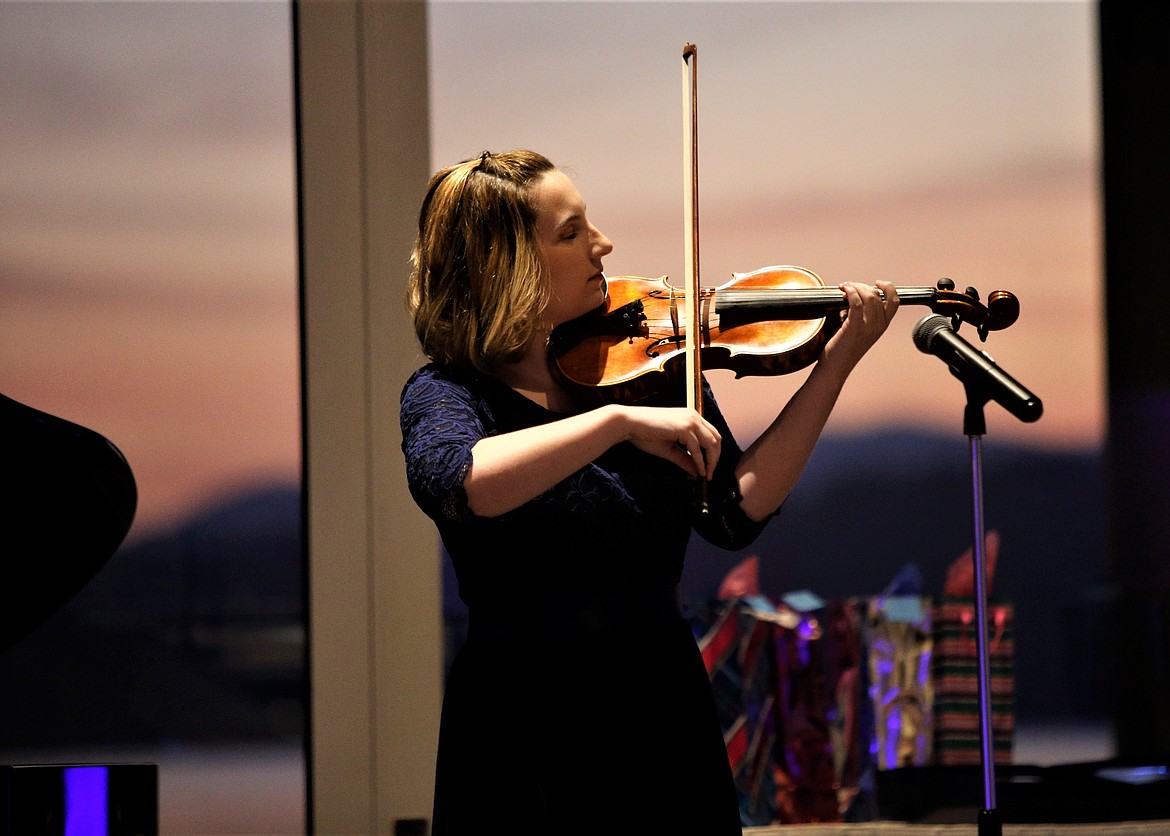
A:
477	291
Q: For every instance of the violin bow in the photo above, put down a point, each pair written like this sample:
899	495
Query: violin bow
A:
691	306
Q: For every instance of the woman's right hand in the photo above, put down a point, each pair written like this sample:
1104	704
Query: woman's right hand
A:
677	434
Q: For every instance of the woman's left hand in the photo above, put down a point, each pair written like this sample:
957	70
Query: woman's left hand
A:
869	312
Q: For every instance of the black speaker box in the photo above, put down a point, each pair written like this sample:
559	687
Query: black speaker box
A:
103	800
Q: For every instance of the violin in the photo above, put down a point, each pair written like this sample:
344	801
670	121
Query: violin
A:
771	321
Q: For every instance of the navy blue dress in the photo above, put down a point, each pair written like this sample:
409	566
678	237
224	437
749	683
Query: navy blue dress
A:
579	702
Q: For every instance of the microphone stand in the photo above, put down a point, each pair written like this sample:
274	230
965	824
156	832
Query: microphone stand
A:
975	427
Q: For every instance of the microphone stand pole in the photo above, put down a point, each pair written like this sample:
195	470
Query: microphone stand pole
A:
974	427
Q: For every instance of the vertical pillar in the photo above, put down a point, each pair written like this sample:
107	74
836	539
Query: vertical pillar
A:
375	649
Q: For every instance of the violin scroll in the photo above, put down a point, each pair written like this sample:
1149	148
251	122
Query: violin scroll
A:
1001	311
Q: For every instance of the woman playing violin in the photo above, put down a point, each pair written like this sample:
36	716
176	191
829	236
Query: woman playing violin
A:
579	702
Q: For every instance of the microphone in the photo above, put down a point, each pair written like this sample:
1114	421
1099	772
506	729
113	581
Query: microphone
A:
933	335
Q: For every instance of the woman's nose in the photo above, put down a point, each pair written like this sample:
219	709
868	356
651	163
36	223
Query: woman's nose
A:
603	244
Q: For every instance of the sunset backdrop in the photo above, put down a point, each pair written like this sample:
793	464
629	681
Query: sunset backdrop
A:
148	276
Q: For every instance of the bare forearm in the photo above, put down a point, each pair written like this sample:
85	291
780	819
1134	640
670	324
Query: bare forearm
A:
508	470
771	466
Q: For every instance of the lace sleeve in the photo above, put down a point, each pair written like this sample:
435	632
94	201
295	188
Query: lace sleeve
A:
725	525
440	425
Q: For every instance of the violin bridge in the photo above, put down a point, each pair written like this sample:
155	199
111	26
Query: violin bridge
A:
707	318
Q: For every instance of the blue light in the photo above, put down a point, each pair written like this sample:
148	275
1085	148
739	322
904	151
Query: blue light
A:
86	801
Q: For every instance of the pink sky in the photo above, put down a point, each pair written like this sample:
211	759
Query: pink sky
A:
147	266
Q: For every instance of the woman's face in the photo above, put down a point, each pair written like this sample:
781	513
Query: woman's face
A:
571	250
